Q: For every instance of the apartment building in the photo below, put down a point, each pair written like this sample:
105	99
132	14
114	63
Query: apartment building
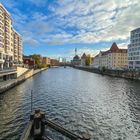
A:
46	61
17	48
134	50
114	58
10	41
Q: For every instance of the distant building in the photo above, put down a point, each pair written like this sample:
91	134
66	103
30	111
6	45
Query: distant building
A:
46	61
76	60
62	60
134	50
114	58
83	59
29	62
54	62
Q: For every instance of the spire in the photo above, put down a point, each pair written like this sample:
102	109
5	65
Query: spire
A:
114	47
75	51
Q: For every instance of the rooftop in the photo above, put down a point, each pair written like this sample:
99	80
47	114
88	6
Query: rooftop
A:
5	9
76	57
137	29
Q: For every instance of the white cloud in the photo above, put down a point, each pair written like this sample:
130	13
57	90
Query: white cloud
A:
91	22
98	21
31	42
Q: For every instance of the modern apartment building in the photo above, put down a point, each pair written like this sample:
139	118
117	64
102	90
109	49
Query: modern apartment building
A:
134	50
10	42
114	58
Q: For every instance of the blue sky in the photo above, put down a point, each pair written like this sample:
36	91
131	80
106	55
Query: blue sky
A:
55	28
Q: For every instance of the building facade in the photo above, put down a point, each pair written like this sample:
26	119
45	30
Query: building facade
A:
76	60
10	41
134	50
114	58
54	62
46	61
28	62
83	59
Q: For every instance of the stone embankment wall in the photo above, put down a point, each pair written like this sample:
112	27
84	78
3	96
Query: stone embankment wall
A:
115	73
12	83
21	70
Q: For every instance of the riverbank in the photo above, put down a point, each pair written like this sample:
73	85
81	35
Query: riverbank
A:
134	75
4	86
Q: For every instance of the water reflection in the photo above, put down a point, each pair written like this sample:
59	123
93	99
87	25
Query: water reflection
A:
105	107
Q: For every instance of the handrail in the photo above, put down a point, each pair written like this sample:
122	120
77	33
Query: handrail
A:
64	131
36	128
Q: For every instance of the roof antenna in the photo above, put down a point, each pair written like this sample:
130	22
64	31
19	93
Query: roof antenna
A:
31	100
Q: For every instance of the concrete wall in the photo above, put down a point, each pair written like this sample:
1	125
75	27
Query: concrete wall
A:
21	70
10	84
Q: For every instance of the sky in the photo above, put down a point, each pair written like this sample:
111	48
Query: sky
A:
54	28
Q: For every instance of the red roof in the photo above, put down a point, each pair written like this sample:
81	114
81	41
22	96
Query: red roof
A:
83	56
114	49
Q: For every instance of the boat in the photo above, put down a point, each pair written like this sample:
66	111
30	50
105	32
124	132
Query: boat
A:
35	129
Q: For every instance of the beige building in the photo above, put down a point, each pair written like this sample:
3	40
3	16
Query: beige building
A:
10	41
46	61
114	58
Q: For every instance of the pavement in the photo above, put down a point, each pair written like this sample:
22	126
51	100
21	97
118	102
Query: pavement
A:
4	83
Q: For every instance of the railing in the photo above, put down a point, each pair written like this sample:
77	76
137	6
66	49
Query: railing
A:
7	70
36	128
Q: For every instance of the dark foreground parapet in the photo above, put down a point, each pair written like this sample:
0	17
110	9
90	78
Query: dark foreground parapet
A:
35	129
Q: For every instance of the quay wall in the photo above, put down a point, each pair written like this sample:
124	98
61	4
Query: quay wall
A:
12	83
21	70
135	75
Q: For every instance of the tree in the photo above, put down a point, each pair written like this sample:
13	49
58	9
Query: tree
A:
88	60
38	60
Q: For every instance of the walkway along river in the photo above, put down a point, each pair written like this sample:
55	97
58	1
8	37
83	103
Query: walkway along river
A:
107	108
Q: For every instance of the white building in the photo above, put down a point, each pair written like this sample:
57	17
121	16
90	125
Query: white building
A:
134	50
10	41
114	58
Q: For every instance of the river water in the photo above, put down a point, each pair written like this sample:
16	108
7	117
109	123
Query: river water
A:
106	108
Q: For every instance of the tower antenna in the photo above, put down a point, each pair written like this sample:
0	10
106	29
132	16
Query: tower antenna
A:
75	51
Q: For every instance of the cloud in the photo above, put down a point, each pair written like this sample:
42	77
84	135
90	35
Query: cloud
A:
31	42
75	22
98	21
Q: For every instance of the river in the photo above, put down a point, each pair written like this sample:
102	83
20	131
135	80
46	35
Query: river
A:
106	108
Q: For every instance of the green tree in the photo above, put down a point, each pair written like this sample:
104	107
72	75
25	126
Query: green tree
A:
38	60
88	60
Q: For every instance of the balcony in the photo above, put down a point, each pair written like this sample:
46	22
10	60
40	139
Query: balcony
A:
1	22
7	71
7	20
